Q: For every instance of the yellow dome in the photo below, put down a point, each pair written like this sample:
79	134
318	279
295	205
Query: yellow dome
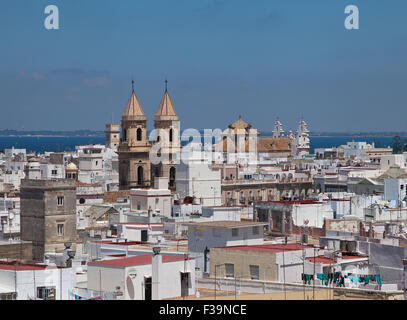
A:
71	167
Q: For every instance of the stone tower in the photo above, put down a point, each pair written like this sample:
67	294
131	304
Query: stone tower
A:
112	135
302	141
48	214
134	147
278	131
166	144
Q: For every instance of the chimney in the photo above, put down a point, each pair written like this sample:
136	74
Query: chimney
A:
68	255
156	273
121	215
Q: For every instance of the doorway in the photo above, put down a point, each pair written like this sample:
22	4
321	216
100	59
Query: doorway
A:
184	283
147	288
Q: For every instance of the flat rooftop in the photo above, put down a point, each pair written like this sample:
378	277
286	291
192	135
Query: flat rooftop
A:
225	224
278	247
120	243
293	201
140	223
134	261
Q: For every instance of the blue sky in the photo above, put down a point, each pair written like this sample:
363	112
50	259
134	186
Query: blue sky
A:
262	59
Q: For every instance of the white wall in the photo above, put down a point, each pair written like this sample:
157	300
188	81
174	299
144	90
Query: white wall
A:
46	171
314	213
196	179
200	238
393	191
170	280
388	160
222	213
28	281
159	200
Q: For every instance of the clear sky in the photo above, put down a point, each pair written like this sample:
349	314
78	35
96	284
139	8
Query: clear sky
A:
262	59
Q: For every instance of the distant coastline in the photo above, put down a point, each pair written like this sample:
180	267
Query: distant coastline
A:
98	134
50	133
60	143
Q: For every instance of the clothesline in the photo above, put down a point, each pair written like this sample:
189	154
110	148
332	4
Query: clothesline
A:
339	278
78	297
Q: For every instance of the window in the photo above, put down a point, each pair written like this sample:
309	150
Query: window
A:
60	201
172	176
185	283
235	232
96	162
140	175
171	134
138	206
270	195
254	272
54	172
139	134
46	293
258	195
228	196
8	296
60	229
157	200
230	270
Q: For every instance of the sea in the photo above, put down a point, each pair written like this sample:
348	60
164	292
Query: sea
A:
40	144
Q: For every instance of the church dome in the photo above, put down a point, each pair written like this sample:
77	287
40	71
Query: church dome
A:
71	167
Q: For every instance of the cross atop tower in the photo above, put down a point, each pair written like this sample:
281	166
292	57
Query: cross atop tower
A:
166	82
132	85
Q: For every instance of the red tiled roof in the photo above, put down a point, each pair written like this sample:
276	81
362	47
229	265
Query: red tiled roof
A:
138	223
321	259
135	260
18	266
352	257
279	247
128	243
79	183
294	201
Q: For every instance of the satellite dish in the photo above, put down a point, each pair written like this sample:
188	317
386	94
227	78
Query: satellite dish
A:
130	287
11	216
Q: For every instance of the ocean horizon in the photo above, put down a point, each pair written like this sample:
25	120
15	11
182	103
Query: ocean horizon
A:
40	144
